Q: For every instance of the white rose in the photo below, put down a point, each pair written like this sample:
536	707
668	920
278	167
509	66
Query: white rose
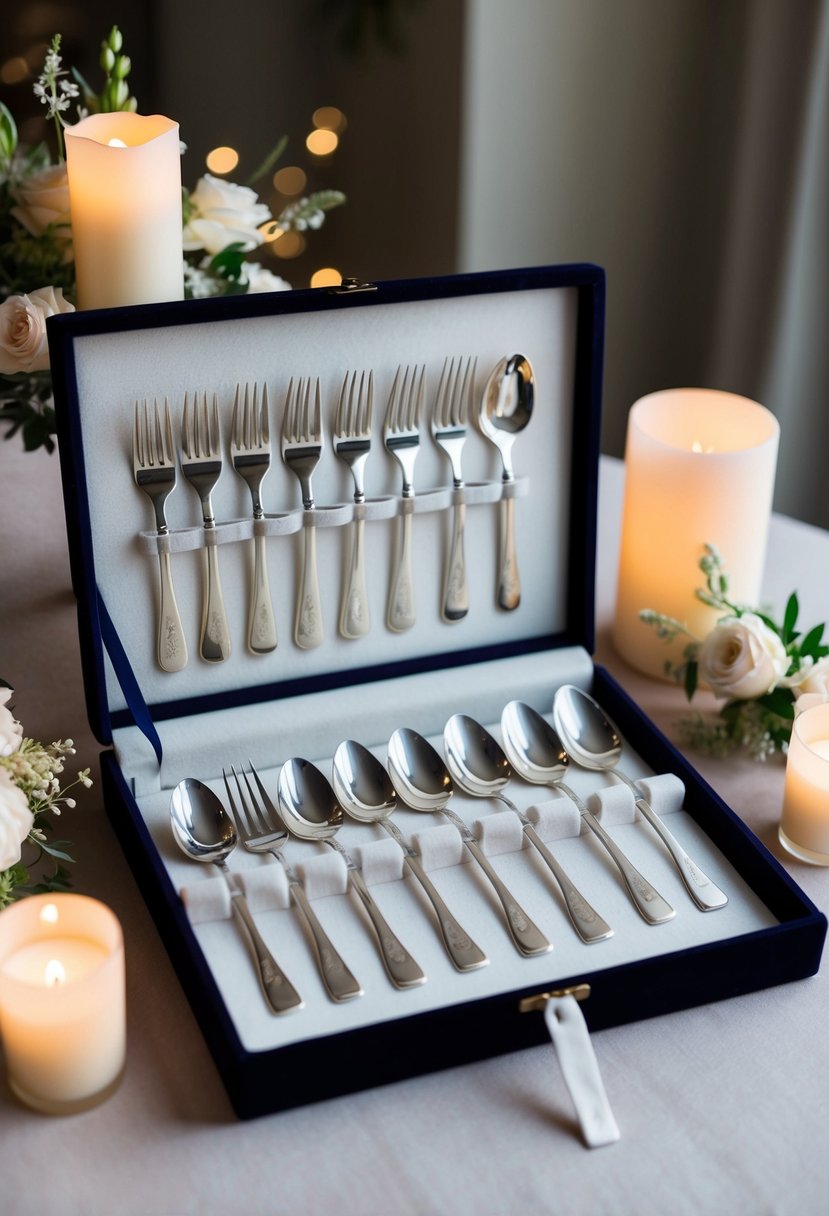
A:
43	199
224	213
259	278
15	820
11	732
742	658
23	343
816	678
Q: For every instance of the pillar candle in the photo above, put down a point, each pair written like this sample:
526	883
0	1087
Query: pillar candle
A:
699	469
62	1001
124	174
804	826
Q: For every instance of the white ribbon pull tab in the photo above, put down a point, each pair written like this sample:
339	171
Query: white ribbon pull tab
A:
580	1069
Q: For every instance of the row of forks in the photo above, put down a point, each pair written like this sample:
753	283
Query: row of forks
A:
154	467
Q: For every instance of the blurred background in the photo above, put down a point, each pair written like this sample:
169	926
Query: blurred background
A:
680	144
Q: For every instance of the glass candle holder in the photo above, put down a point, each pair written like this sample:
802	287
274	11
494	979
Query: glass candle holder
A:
699	469
62	1001
804	826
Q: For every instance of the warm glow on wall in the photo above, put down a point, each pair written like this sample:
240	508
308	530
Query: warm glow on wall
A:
290	180
326	276
289	245
322	142
14	71
329	118
222	160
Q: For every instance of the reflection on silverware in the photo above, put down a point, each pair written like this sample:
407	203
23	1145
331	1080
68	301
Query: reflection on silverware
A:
310	811
261	830
154	469
401	437
205	832
537	754
301	450
506	409
250	451
423	782
594	743
352	444
201	464
449	431
365	792
479	766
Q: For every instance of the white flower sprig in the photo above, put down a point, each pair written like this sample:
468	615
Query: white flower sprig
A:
55	90
30	792
758	666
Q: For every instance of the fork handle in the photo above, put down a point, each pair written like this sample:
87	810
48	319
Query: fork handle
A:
355	619
262	624
455	590
215	636
172	644
400	615
308	632
509	580
339	983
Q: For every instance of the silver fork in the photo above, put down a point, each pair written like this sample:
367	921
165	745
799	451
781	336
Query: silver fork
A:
250	451
352	444
401	437
449	432
154	469
261	830
301	450
201	464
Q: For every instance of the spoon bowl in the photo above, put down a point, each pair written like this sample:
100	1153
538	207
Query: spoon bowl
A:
204	831
480	767
366	792
595	743
311	811
422	780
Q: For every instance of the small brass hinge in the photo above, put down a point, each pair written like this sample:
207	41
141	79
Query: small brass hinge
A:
531	1004
350	287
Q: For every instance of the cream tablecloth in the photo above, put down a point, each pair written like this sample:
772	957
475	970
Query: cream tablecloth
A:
723	1109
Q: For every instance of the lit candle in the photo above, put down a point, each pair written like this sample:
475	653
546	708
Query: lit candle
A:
804	827
62	1001
699	469
124	173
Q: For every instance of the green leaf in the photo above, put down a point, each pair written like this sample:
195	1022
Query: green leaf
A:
691	674
227	263
790	618
269	161
8	135
53	851
780	701
811	643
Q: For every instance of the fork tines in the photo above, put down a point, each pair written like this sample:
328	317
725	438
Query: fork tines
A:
200	439
250	425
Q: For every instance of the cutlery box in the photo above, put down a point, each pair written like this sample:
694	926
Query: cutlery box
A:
159	727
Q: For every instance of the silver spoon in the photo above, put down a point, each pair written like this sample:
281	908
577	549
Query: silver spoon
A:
506	409
423	782
205	832
365	792
479	766
310	810
595	743
536	753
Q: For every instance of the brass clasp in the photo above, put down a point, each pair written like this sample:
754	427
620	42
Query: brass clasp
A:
531	1004
350	287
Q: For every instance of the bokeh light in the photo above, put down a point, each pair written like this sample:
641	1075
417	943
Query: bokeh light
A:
14	71
326	276
321	142
289	245
290	181
222	160
329	118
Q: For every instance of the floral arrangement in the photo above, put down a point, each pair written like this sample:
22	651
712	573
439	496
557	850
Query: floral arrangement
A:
762	669
30	794
222	223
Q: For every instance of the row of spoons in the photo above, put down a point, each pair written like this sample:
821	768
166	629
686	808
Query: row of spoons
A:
311	808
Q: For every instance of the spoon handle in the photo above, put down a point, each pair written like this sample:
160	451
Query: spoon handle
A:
705	893
339	983
586	920
509	580
278	989
649	903
401	968
463	952
528	938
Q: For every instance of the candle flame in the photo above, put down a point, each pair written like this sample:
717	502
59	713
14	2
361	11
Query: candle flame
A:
696	446
54	974
116	143
49	914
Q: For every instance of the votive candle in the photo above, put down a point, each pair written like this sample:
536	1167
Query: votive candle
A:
62	1001
804	826
124	174
699	469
